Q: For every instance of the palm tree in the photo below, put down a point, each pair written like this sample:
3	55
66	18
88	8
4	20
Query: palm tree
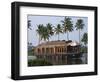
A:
67	26
58	30
79	26
29	24
49	29
85	39
45	35
39	31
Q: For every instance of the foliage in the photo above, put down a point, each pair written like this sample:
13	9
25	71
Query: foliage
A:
44	36
38	62
83	49
79	24
29	24
45	31
49	29
67	26
58	30
85	38
31	52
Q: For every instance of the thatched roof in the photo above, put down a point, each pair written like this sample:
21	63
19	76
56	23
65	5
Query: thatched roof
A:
59	42
74	43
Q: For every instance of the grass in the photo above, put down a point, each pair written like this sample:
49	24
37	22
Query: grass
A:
38	62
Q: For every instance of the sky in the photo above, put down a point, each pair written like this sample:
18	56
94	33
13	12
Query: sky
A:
54	20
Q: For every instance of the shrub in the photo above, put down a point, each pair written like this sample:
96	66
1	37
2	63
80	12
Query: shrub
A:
38	62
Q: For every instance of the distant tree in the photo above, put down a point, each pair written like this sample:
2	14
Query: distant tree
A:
85	39
67	26
29	24
30	49
58	30
29	44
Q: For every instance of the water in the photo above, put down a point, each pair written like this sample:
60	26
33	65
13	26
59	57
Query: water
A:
80	60
64	60
32	57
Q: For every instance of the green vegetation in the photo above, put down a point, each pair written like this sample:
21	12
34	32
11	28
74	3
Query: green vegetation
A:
67	26
31	52
58	30
38	62
30	49
49	29
79	26
83	49
44	32
85	39
39	31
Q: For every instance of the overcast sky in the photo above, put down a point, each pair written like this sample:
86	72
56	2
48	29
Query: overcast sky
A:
54	20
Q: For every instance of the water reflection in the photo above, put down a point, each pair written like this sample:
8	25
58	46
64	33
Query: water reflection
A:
65	60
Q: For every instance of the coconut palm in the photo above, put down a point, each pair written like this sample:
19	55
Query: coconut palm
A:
58	30
67	26
49	29
45	35
85	39
39	31
79	26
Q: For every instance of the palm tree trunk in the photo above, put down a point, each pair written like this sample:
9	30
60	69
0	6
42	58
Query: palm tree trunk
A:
79	36
39	40
67	36
58	36
79	39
